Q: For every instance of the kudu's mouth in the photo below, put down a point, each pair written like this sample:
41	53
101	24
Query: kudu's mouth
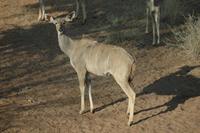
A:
60	31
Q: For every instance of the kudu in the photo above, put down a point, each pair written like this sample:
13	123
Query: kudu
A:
154	12
88	56
78	2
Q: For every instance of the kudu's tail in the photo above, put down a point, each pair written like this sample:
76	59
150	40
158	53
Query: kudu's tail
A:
132	72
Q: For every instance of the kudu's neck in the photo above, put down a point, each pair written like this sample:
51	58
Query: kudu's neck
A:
66	43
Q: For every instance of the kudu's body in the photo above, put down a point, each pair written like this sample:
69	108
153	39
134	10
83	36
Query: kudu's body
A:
78	2
154	12
88	56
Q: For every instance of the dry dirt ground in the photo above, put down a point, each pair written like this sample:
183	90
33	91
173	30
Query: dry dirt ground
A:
39	90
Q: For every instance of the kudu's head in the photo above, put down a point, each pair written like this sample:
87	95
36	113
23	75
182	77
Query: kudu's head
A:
60	22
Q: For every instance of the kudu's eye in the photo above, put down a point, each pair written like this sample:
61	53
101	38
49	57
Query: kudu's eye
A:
55	23
64	22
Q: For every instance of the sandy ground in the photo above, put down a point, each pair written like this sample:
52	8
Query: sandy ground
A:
39	89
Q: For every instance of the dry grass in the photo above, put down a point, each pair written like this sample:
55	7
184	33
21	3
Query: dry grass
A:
122	37
127	11
172	11
122	16
116	18
188	37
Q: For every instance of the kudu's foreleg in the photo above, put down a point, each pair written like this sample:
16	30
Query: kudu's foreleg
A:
88	85
147	20
153	26
85	82
81	78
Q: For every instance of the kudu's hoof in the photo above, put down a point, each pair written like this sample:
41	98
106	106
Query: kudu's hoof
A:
130	123
81	112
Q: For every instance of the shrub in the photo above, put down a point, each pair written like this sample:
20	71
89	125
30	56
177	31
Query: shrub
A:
189	37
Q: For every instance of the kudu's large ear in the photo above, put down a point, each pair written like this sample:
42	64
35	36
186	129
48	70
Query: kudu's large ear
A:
70	17
49	18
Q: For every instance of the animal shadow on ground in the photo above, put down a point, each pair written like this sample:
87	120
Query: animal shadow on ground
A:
180	84
110	104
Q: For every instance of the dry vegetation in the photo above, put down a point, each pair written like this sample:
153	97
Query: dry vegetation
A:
188	37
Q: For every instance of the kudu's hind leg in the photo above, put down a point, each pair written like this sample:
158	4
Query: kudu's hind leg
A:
128	109
84	11
131	98
41	10
82	2
77	8
157	23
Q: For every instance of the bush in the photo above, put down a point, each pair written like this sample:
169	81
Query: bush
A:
189	37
